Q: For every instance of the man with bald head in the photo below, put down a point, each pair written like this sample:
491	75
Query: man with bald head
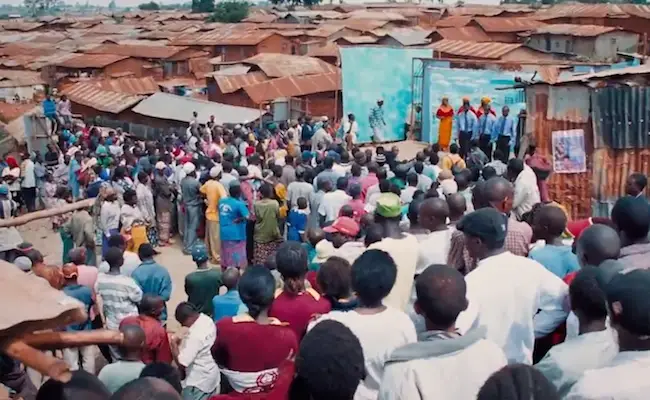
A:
457	207
128	368
596	244
147	388
157	347
496	193
434	248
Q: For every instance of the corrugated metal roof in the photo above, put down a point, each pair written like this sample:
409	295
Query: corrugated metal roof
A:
185	82
573	30
232	83
324	30
376	15
502	24
90	61
157	52
621	117
178	108
611	169
489	11
261	18
487	50
279	65
27	48
293	86
113	29
223	38
409	36
471	33
145	85
200	66
232	69
22	26
13	78
358	39
637	10
314	14
361	25
330	49
93	96
609	73
454	21
11	111
581	11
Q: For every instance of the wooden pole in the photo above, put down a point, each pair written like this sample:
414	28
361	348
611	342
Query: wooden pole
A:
23	219
61	340
42	362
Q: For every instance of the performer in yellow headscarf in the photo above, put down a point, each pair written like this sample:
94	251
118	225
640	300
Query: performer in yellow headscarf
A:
446	116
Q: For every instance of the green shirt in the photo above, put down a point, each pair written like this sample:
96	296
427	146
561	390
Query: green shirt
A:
118	374
267	212
201	286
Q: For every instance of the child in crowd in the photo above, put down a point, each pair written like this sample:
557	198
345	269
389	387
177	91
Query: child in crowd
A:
297	220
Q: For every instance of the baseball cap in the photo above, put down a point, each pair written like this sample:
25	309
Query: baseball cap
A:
487	224
70	271
344	225
627	295
199	253
388	205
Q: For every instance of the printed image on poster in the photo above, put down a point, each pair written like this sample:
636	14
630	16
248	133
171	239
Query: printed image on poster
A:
569	155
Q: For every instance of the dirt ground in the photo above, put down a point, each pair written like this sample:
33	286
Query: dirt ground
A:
39	233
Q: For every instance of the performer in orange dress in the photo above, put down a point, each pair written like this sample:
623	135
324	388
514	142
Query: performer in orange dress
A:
445	114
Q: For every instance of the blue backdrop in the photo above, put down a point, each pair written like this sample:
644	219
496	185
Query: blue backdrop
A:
369	73
455	83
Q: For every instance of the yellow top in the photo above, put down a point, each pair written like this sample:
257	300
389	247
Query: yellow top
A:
213	191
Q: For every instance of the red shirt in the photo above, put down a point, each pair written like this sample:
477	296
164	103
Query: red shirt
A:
366	182
280	389
358	206
298	310
157	343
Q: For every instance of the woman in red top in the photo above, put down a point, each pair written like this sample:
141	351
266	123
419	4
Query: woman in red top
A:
251	348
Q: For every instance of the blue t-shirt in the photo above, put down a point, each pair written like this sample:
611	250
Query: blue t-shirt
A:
296	223
557	259
49	108
85	296
229	210
227	305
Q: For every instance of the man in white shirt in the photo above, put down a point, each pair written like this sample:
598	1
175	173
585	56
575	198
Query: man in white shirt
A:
626	376
406	197
596	345
443	363
28	182
515	298
526	189
332	202
131	261
434	249
194	355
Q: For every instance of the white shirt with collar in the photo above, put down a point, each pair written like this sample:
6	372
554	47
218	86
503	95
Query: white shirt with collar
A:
625	378
526	192
195	355
517	300
28	174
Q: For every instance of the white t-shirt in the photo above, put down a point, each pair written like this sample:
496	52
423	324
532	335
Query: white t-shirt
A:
517	300
433	249
29	177
379	334
331	204
131	262
195	356
458	375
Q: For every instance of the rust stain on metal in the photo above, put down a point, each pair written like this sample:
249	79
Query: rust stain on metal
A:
573	30
293	86
503	24
279	65
223	38
146	85
487	50
454	21
466	33
138	51
232	83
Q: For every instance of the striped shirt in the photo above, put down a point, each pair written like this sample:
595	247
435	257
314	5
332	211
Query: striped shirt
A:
120	295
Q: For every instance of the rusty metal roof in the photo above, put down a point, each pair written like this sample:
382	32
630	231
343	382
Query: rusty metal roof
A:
232	83
13	78
503	24
376	15
324	30
358	39
27	49
490	11
487	50
94	96
293	86
145	85
22	26
279	65
584	11
454	21
223	38
137	51
330	49
574	30
359	24
261	18
11	111
470	33
113	29
90	61
200	66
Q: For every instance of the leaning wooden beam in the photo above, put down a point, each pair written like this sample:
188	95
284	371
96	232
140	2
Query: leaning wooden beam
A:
41	362
62	340
51	212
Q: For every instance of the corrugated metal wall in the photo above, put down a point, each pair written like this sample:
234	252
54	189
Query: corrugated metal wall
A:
621	117
573	191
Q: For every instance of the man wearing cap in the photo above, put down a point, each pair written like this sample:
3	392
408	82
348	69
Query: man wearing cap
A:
515	298
213	192
202	284
344	232
377	122
321	138
626	376
84	295
402	247
190	189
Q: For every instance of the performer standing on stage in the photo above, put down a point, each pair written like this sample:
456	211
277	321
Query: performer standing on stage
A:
377	122
445	114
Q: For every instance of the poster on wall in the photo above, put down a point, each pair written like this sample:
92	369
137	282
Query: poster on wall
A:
456	83
373	73
569	156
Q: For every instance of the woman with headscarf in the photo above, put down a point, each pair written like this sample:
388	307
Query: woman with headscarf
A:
445	114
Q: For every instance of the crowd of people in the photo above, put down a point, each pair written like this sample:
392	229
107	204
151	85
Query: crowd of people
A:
327	271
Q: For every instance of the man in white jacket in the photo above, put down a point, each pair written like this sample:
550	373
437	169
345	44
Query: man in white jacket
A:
515	298
443	364
526	189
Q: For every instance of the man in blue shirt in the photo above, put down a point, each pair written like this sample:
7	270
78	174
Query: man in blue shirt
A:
49	110
85	296
548	225
466	120
306	133
504	130
228	304
152	277
483	130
